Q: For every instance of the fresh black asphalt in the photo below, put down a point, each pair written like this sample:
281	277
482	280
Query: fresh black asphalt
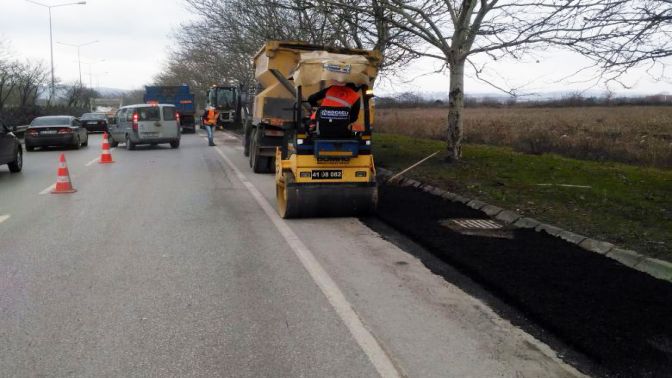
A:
618	317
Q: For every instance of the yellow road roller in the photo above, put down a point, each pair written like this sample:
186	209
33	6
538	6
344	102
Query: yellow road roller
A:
324	167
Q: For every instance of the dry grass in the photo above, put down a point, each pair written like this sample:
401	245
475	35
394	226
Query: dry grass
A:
631	134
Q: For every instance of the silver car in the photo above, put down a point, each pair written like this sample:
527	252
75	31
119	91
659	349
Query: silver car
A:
145	124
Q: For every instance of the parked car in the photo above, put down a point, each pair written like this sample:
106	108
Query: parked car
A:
11	152
145	124
56	131
94	122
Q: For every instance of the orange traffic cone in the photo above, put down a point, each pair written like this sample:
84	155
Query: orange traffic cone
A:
63	184
106	156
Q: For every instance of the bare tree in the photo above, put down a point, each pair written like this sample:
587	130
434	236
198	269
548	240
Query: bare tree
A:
9	71
30	83
455	31
219	45
77	95
632	32
135	96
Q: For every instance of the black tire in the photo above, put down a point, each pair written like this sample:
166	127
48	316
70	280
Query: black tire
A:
129	144
86	141
78	144
246	144
113	143
30	148
17	164
259	164
175	144
251	153
286	197
270	165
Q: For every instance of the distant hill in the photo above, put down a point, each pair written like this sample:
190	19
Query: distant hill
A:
103	91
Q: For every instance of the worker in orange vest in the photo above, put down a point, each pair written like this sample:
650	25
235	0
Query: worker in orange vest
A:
338	95
210	121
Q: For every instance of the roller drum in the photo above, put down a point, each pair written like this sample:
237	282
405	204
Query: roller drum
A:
326	200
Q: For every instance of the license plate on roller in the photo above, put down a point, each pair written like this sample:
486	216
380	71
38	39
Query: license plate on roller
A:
327	174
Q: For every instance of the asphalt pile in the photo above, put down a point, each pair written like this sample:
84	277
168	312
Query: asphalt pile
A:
618	317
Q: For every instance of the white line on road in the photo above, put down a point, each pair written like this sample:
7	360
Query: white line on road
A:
48	189
4	217
239	148
52	186
91	162
377	355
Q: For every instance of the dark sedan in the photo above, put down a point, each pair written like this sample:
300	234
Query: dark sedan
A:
10	149
94	122
56	131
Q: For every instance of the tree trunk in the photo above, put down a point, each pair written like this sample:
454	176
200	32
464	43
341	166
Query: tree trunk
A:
455	108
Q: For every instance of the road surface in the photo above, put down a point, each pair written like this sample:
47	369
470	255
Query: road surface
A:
173	263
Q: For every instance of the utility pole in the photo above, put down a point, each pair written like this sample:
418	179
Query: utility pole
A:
51	40
79	58
90	64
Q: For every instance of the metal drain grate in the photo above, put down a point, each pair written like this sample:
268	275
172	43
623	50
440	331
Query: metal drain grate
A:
477	227
477	224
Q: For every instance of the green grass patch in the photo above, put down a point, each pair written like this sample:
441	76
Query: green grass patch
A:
627	205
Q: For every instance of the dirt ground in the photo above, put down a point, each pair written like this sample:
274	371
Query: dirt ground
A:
618	317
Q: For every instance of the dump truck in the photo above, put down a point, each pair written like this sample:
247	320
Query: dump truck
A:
322	160
178	95
227	100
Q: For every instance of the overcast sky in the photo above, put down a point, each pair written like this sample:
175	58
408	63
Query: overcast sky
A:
133	35
134	38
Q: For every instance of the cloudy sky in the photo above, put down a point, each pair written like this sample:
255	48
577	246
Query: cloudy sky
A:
134	38
133	35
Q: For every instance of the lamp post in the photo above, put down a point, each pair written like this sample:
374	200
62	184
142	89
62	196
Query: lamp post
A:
51	43
90	64
79	60
98	75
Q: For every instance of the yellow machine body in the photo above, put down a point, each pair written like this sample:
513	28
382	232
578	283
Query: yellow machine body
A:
300	194
334	181
279	61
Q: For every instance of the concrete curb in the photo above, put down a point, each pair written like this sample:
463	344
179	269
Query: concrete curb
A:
657	268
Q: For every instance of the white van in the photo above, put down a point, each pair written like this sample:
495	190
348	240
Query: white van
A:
145	124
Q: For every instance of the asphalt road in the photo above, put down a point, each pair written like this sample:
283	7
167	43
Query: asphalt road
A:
173	263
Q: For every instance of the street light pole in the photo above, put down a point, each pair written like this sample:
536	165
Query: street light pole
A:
79	64
51	48
91	70
79	60
51	40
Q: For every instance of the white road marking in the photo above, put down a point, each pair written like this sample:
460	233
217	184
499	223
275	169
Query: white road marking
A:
377	355
51	187
92	161
239	148
48	189
98	158
4	217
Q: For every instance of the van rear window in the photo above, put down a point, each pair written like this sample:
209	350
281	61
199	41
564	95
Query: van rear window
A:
149	113
168	113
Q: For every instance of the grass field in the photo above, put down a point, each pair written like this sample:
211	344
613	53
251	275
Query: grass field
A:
628	205
630	134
